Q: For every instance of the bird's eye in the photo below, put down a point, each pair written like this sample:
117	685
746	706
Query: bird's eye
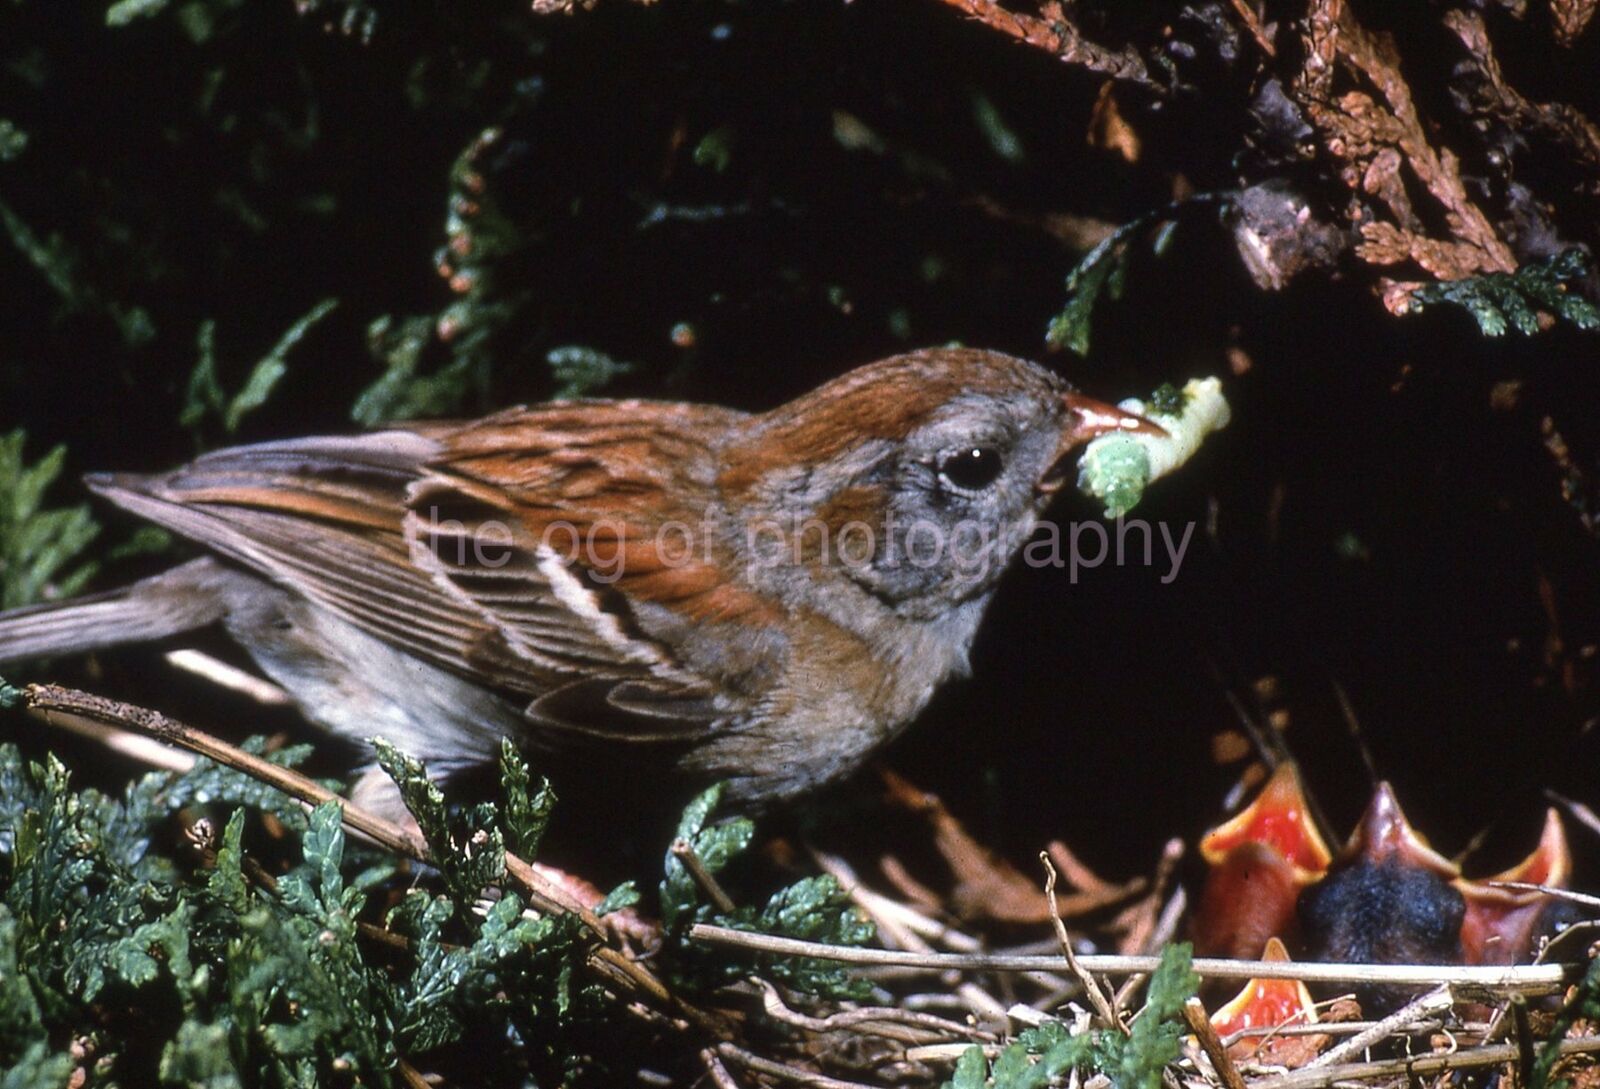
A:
972	467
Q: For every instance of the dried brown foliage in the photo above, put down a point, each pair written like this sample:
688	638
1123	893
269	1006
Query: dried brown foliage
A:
1345	154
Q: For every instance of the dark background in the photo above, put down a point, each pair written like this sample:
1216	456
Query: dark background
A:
1377	522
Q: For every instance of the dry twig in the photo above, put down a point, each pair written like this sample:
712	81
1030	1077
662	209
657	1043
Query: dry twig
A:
1194	1014
1416	1066
1530	979
1423	1008
1056	34
1091	986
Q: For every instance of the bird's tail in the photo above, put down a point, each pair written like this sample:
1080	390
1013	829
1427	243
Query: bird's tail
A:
172	602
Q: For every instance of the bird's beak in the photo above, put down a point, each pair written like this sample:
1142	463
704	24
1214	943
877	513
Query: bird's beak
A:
1257	865
1502	924
1385	833
1088	419
1265	1003
1280	818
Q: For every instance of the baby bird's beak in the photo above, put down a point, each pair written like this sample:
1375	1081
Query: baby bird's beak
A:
1088	419
1502	925
1258	863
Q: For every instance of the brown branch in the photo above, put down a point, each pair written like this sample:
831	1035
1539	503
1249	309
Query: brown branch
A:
1195	1015
782	1071
1376	138
1252	22
1423	1008
1570	18
410	1077
1556	122
882	1021
1091	986
684	852
1322	1076
1057	36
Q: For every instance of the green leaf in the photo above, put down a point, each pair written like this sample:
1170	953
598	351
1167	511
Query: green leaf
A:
203	394
527	812
13	141
1156	1037
816	909
424	799
625	895
198	1057
1584	1003
715	148
39	1068
323	846
469	848
1501	301
226	883
715	844
580	371
1085	283
124	12
21	1019
61	266
1043	1055
401	393
1104	269
695	813
972	1070
1002	139
41	549
272	367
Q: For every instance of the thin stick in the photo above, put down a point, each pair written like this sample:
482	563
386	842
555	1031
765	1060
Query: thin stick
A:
1321	1028
1548	890
890	918
1525	1056
50	698
1195	1014
1091	986
772	1002
684	852
1269	746
1144	935
1580	812
1353	723
129	744
1422	1008
752	1061
718	1073
1248	15
944	1053
1060	38
902	917
1523	979
1323	1076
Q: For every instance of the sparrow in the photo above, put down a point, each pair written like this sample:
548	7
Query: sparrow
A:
667	589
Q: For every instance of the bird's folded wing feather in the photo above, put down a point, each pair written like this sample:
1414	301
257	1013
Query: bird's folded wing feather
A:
434	539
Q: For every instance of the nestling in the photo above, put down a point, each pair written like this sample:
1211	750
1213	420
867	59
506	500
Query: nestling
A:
763	599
